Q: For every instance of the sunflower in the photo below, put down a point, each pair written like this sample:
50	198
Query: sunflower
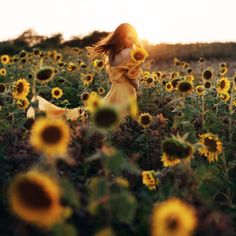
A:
105	232
201	60
145	119
44	75
21	89
71	67
211	146
3	87
93	102
223	71
56	93
173	217
23	103
223	85
35	197
101	90
200	90
176	149
169	87
149	82
84	96
23	54
176	62
105	117
207	84
207	74
50	136
189	70
98	63
138	54
185	87
5	59
224	97
175	82
149	179
190	78
3	71
36	51
87	79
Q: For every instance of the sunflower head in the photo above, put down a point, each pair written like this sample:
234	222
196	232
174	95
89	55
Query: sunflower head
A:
106	117
84	96
21	89
177	147
3	71
200	90
185	87
169	87
139	55
57	93
44	75
207	84
207	74
173	217
93	102
35	197
149	179
224	97
5	59
211	146
23	103
145	119
223	85
3	87
50	136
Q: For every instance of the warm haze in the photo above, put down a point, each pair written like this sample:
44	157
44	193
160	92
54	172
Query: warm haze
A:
155	20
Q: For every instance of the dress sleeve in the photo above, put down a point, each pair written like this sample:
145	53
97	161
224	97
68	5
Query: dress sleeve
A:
132	69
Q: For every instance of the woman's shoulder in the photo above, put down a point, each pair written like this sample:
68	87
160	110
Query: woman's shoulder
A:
122	56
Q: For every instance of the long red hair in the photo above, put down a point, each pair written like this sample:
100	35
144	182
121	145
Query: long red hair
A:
113	43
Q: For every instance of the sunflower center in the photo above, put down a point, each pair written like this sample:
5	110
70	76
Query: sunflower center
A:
211	144
145	120
208	84
44	74
100	64
149	80
207	74
185	86
33	195
172	223
56	92
20	87
105	117
222	84
138	56
51	135
85	97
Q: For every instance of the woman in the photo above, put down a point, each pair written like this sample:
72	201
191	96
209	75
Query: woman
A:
123	73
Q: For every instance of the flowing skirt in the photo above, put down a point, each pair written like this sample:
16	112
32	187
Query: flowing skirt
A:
53	111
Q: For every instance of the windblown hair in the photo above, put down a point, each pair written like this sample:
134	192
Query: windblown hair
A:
113	43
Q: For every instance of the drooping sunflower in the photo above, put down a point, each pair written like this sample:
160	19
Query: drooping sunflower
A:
223	85
138	54
207	74
5	59
44	75
56	93
149	179
200	90
211	146
175	150
105	117
145	119
173	217
223	71
3	71
50	136
23	103
185	87
35	197
21	89
224	97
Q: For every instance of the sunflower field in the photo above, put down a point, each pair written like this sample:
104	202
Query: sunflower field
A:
169	169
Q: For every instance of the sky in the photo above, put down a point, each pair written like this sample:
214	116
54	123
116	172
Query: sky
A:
170	21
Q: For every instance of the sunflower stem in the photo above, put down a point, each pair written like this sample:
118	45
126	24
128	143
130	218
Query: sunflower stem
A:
203	112
231	113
